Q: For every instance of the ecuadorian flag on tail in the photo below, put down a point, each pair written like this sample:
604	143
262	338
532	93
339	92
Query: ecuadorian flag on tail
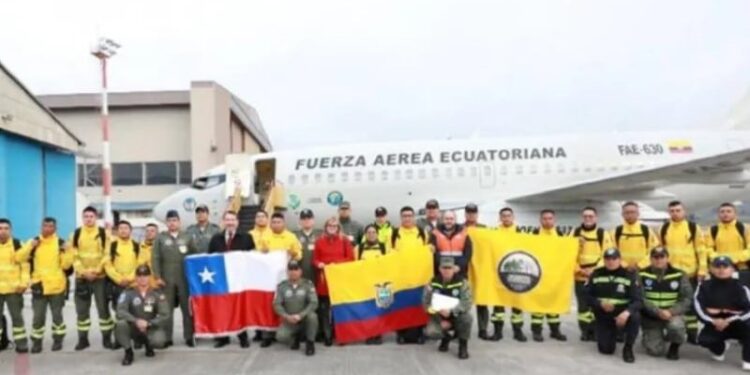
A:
376	296
529	272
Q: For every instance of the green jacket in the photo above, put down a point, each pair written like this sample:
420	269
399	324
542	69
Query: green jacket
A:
308	245
298	299
458	287
202	238
675	291
152	307
168	255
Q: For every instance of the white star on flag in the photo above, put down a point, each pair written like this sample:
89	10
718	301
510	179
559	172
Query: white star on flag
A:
206	276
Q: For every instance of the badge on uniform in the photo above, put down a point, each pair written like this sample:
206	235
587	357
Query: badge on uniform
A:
620	288
168	242
455	292
122	298
148	308
136	301
183	249
311	247
288	293
649	282
674	285
301	292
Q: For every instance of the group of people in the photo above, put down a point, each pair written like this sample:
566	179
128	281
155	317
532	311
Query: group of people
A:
627	279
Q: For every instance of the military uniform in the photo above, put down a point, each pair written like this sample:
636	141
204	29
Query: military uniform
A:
307	240
352	229
14	274
296	299
152	307
202	235
664	289
168	256
593	242
460	317
88	245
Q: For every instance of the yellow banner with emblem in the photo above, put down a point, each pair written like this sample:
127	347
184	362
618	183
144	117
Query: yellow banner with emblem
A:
529	272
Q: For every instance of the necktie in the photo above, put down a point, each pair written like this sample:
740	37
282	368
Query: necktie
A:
230	237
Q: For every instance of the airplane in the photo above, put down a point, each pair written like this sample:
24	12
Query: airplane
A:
562	172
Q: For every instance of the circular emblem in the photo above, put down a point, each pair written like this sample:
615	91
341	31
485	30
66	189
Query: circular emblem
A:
455	292
674	285
294	201
519	271
335	198
649	282
189	204
136	301
288	293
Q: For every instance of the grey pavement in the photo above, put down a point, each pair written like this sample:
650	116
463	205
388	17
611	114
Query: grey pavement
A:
506	356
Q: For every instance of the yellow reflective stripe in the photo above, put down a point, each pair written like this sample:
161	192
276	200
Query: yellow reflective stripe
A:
665	304
611	280
614	301
647	275
673	276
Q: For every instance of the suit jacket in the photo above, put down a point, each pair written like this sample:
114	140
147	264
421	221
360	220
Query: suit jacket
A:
241	241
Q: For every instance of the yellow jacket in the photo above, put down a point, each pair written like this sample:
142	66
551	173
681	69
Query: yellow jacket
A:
685	252
512	229
48	263
14	269
147	248
125	263
259	234
284	241
729	242
409	238
365	250
590	249
555	232
90	251
633	246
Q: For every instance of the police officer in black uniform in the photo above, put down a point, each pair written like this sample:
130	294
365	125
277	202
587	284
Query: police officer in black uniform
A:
616	298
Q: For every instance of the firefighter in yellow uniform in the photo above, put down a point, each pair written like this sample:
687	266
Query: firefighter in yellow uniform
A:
547	228
593	241
14	280
280	239
147	248
684	241
634	239
48	260
89	244
508	225
731	237
260	229
371	246
409	236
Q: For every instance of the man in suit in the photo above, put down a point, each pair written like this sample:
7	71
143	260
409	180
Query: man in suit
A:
228	240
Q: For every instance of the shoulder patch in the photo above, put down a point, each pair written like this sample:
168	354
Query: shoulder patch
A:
122	298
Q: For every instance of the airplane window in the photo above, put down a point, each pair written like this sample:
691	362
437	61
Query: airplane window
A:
318	178
487	170
435	173
460	172
371	176
291	179
614	168
547	169
409	174
357	176
561	168
305	179
206	182
519	169
344	176
384	176
473	171
331	178
422	174
533	169
503	170
587	169
397	174
448	173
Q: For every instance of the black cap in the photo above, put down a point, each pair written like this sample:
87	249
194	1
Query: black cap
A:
345	205
721	261
659	251
306	214
432	203
143	270
612	253
173	213
201	208
293	265
381	211
471	207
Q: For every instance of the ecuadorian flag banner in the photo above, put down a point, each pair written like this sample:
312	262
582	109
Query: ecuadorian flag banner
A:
529	272
375	296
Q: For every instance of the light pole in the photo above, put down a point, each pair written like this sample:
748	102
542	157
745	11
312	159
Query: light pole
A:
104	49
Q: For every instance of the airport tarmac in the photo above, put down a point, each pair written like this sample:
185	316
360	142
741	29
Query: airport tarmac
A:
504	357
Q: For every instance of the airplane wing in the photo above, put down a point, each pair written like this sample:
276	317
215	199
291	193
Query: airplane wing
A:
725	168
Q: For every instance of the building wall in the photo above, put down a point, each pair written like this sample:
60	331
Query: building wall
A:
37	181
209	124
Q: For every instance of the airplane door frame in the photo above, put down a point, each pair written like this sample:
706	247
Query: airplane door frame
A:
487	180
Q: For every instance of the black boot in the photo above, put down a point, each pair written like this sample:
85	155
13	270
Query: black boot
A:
149	350
463	349
537	336
244	340
497	335
221	342
4	340
483	334
36	346
258	336
57	344
556	334
327	341
444	343
127	360
692	337
295	344
83	342
518	334
265	343
627	354
309	348
107	340
674	352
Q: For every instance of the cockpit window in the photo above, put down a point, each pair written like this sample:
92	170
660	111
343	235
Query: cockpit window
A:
206	182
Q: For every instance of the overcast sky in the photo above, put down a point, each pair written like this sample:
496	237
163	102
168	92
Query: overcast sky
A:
322	72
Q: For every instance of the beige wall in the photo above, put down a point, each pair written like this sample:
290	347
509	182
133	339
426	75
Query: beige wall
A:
19	114
150	193
136	134
209	107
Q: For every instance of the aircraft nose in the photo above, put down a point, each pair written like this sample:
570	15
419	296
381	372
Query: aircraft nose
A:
160	210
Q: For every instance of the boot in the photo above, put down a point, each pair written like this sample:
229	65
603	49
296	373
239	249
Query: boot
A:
4	340
36	346
627	354
83	342
674	352
107	340
128	359
483	334
244	340
518	334
149	350
692	337
327	341
444	342
295	344
556	334
137	344
537	335
463	350
497	335
221	342
265	343
57	344
258	336
309	348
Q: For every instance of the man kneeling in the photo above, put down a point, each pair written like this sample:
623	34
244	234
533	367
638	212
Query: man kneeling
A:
141	311
443	320
295	302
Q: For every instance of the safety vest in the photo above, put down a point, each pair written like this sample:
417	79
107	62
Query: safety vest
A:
612	286
662	291
453	246
450	289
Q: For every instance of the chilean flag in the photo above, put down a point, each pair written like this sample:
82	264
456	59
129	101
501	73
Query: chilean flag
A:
231	292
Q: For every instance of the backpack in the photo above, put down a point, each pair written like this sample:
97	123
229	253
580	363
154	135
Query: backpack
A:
16	244
692	227
644	232
77	236
113	250
740	229
61	249
599	235
396	235
381	246
557	230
